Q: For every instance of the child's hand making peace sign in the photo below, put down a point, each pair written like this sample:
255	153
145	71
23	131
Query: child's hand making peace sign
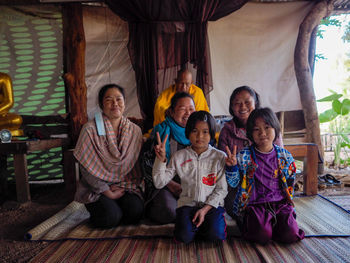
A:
160	149
231	159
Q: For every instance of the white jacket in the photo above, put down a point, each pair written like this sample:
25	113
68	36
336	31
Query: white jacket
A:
202	177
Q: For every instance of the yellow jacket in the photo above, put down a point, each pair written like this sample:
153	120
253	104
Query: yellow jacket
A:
164	100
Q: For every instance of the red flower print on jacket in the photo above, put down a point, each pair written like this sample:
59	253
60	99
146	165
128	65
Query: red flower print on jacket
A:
210	179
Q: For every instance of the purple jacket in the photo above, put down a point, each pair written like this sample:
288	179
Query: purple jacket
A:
231	135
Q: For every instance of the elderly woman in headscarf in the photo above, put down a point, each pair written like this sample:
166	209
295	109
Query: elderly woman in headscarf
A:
111	185
161	204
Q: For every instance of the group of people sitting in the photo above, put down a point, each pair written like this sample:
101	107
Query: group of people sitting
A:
181	175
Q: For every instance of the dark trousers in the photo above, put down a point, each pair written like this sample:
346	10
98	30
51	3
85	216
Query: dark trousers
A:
212	229
162	208
107	213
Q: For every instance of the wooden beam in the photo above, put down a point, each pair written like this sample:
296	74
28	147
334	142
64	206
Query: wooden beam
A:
30	119
308	152
74	62
303	71
19	2
43	145
24	147
45	131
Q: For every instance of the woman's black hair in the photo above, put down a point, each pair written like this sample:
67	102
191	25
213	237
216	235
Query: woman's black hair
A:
176	98
103	91
252	93
200	116
268	116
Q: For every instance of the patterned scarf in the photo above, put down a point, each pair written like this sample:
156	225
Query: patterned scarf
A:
170	127
110	157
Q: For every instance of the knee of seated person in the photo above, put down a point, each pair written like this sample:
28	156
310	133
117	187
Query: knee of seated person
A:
289	236
262	237
132	218
217	235
107	221
217	232
134	213
165	215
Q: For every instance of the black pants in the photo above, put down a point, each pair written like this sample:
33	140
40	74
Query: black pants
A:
107	213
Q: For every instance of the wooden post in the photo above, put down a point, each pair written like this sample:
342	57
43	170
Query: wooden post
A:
69	175
21	175
308	152
3	177
303	72
74	62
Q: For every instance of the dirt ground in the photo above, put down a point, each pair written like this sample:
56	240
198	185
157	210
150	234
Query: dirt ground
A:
47	200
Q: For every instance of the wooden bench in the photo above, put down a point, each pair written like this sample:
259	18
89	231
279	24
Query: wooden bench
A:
20	149
308	152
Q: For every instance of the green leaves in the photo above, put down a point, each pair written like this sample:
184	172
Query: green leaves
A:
341	108
345	138
338	107
332	97
327	116
345	107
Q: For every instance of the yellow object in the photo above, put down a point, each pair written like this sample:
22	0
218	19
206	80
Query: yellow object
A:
164	100
244	183
10	121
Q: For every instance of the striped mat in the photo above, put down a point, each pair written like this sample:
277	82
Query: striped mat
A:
342	201
315	215
165	250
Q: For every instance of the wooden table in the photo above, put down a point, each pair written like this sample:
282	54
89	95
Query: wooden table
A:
308	152
20	149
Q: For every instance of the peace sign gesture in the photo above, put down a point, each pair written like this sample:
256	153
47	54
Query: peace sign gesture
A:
160	148
231	159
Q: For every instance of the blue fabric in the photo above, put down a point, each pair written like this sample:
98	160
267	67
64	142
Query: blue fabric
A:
230	172
212	229
170	127
100	124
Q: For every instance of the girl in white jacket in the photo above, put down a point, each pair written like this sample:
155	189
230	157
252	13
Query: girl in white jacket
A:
201	167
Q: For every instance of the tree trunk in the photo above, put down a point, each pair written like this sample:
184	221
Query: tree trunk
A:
303	72
74	57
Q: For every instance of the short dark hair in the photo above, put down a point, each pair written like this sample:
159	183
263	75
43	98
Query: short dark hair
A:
103	91
268	116
175	99
200	116
252	93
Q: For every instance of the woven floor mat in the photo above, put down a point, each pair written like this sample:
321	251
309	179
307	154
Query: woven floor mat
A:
315	215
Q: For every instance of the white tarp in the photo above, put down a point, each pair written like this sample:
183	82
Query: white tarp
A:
254	46
107	58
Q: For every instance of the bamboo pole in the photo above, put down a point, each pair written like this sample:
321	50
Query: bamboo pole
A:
303	72
74	57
